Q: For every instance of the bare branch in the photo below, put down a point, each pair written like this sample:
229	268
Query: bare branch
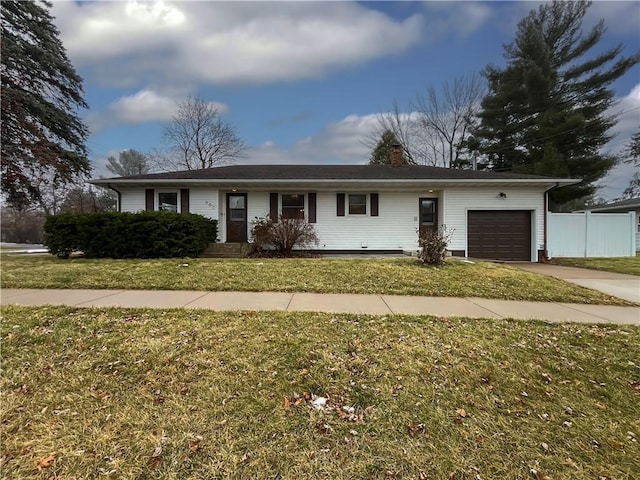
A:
198	138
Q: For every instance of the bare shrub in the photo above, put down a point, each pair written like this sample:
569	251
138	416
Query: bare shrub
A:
282	236
433	246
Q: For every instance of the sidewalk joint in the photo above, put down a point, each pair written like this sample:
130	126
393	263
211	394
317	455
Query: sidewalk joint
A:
387	305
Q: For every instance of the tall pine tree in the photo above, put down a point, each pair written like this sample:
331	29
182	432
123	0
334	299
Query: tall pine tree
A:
546	110
43	139
381	154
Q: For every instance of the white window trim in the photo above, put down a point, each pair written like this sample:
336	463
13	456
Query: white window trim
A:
178	205
367	202
306	203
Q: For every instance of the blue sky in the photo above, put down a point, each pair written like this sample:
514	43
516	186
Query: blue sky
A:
303	81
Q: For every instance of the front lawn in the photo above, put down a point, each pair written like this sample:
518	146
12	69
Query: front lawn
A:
396	277
184	394
628	265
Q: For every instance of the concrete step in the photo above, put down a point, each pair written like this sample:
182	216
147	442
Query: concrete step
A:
226	250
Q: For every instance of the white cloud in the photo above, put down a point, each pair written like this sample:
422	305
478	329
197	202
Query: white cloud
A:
141	107
226	42
339	142
461	18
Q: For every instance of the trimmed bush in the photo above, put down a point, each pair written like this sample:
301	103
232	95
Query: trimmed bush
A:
129	235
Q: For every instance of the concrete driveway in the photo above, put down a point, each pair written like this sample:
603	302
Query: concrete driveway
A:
616	284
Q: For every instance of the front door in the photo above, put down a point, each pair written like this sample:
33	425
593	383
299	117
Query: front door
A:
428	216
236	217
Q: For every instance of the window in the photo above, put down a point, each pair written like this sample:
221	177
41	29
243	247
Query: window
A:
236	207
293	205
427	211
168	201
357	204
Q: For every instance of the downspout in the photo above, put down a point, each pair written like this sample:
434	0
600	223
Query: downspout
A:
119	196
545	255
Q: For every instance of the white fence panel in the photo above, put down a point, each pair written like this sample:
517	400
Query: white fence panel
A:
591	234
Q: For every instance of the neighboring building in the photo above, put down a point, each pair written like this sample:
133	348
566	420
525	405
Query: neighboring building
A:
364	208
623	206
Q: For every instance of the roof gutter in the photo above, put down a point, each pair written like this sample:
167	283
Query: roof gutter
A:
330	181
118	192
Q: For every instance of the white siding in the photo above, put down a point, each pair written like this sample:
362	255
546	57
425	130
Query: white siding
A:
458	201
132	199
394	229
204	201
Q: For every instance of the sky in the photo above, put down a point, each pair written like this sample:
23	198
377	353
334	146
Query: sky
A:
301	81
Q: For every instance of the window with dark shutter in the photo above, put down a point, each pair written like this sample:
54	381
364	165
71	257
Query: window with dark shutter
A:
340	204
149	195
184	200
357	204
312	208
293	205
374	204
273	206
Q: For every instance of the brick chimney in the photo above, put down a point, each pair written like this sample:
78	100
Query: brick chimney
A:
397	156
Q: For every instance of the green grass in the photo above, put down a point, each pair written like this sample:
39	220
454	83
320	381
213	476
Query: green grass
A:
397	277
628	265
183	394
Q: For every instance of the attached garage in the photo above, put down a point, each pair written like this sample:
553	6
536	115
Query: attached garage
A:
499	234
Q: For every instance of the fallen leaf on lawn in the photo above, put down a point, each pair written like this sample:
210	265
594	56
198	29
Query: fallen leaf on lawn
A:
615	444
415	429
155	458
323	428
46	461
154	463
287	403
195	444
461	412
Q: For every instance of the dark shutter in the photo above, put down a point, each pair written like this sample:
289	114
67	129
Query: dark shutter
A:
312	208
148	199
273	206
374	204
340	204
184	200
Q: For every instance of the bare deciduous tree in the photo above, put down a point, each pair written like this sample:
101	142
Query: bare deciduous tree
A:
446	117
434	128
199	138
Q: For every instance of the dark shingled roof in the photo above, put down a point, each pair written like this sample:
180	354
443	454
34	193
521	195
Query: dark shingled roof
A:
329	172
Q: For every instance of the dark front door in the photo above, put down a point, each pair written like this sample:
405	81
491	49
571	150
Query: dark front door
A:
236	217
428	216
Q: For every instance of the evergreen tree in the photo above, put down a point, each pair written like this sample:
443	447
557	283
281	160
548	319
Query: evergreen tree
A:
632	155
381	154
129	162
546	110
42	135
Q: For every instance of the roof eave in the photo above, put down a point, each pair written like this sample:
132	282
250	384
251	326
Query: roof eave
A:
332	181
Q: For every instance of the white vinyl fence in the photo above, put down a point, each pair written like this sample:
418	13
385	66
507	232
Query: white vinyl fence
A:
591	234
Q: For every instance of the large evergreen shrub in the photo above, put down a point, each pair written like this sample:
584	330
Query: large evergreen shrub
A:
129	235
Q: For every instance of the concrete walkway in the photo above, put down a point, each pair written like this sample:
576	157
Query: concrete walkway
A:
335	303
616	284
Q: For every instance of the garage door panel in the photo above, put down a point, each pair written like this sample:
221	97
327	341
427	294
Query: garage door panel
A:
499	235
